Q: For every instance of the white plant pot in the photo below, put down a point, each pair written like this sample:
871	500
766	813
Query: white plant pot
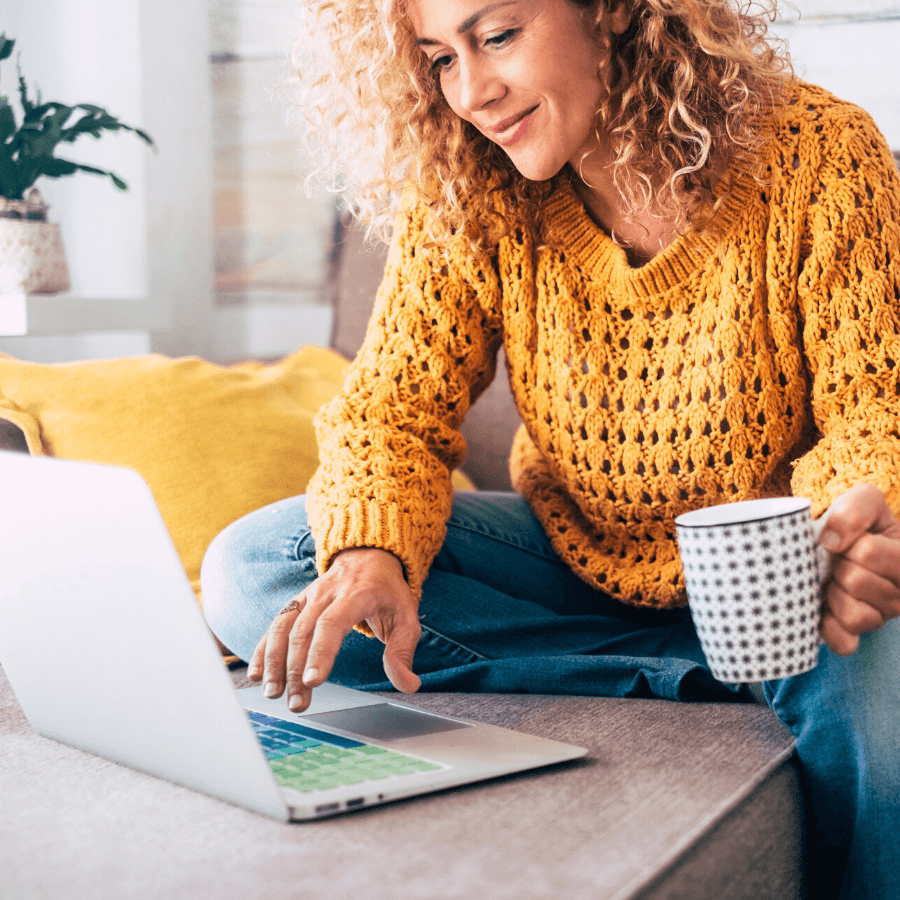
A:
32	259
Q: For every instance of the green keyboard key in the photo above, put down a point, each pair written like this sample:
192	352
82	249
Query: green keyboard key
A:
394	762
423	766
308	784
374	774
323	784
392	757
311	766
290	769
349	776
325	754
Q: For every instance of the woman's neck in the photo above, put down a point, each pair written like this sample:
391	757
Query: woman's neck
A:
641	236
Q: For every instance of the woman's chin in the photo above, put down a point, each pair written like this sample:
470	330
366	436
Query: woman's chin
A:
536	171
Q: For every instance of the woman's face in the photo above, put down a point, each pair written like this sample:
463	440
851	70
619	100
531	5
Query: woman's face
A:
523	72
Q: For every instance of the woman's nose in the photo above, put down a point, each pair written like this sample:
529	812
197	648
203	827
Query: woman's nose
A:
480	84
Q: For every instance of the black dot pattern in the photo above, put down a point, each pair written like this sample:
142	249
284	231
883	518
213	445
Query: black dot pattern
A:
754	596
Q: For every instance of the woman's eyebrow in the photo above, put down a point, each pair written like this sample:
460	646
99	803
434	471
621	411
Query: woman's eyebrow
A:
468	23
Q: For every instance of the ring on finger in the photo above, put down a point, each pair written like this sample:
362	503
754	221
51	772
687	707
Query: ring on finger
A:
293	606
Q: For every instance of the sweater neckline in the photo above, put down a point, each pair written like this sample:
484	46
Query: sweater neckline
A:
570	227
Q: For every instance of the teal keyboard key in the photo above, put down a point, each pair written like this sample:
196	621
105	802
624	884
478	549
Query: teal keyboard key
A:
292	739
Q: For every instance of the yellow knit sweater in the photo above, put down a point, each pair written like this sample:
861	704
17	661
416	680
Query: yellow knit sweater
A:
759	359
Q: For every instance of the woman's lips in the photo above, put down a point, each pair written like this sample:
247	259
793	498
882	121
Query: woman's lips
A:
510	130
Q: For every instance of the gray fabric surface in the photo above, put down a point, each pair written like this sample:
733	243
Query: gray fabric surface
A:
757	850
697	800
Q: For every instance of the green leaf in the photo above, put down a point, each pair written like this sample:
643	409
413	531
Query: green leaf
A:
27	103
38	113
51	132
7	120
6	47
97	120
85	125
144	136
56	168
9	183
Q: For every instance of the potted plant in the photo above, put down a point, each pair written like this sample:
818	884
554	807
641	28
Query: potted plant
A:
31	251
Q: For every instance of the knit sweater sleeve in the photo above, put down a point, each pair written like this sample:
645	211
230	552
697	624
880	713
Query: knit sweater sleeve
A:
849	291
389	441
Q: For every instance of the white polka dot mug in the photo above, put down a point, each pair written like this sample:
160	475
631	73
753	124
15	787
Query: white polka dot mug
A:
753	571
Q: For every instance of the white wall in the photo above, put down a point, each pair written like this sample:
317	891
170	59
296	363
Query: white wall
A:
79	52
272	238
848	9
174	59
850	47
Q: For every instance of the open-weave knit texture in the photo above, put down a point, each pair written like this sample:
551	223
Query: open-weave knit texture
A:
760	357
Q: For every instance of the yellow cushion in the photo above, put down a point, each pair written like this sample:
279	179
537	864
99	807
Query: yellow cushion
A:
212	442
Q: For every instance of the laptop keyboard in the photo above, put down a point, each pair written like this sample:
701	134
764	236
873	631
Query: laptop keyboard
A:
306	759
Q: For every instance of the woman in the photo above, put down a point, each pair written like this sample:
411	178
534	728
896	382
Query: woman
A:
691	259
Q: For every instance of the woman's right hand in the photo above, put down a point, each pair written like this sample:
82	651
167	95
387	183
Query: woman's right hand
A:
362	585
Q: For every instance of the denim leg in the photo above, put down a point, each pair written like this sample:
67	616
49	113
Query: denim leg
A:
499	611
251	571
845	715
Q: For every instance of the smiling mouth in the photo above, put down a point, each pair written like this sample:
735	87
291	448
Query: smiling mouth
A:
504	128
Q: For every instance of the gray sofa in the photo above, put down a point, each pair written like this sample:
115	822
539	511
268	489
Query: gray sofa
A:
688	801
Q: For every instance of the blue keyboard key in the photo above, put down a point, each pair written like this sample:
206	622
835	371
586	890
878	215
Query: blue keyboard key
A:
305	731
323	736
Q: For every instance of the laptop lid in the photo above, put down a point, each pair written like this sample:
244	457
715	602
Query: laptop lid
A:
101	636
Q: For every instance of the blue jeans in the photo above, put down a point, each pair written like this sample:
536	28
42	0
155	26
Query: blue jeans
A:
500	612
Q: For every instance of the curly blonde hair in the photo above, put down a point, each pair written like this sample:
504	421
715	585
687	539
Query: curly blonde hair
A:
688	85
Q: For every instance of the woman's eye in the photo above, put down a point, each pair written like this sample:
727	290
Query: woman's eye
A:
440	63
498	40
443	62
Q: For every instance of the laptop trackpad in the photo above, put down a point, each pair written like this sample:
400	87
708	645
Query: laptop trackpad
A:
386	722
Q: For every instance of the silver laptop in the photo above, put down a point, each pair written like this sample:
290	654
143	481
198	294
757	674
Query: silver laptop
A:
106	649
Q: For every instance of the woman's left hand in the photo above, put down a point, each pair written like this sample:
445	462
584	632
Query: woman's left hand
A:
864	589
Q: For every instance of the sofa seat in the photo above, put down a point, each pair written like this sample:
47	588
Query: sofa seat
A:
674	800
